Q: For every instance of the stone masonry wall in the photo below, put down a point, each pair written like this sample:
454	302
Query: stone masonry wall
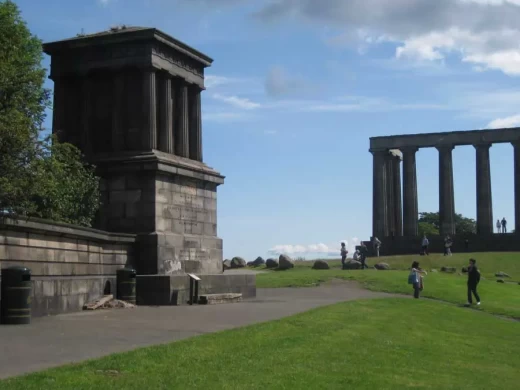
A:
69	265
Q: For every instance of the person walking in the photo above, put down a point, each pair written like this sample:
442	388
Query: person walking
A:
415	279
344	253
447	246
425	244
504	225
499	226
473	281
377	245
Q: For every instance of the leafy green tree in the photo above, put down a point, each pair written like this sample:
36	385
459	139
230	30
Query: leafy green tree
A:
430	222
22	106
38	178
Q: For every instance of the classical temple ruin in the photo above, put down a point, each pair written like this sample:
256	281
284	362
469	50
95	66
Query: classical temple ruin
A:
395	222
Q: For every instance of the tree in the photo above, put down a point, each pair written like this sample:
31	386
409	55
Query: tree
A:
429	223
37	178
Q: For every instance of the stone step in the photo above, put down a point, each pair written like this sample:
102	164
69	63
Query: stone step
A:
213	299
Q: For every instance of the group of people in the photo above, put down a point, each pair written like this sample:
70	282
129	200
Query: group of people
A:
360	254
415	278
502	225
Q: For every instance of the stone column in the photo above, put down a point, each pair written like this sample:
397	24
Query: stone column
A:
165	114
379	221
390	194
484	197
182	147
149	140
86	88
516	146
117	112
446	190
410	203
398	209
195	123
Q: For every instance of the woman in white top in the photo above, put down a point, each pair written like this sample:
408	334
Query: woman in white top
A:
415	275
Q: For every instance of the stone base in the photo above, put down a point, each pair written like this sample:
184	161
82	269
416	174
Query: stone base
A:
165	290
391	246
62	294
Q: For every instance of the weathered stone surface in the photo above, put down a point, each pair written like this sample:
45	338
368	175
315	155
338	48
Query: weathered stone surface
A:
502	275
285	262
382	266
352	264
320	264
227	264
271	263
448	269
258	262
238	262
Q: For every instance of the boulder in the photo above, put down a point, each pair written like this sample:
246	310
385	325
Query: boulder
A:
238	262
320	264
250	264
258	262
448	269
227	264
500	281
285	262
352	264
382	266
464	270
502	275
271	263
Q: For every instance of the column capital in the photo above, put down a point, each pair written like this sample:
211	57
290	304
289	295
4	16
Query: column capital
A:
380	152
409	149
482	145
445	147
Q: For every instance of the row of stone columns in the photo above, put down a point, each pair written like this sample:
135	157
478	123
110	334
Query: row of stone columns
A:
387	202
173	116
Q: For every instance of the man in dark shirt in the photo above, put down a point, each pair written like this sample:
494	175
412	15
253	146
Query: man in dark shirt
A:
473	280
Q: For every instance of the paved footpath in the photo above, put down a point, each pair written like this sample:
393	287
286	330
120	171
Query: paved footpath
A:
57	340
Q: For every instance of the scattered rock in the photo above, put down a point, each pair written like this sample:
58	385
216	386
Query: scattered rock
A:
464	270
500	281
227	264
502	275
382	266
320	264
434	270
448	269
250	263
238	262
258	262
285	262
271	263
352	264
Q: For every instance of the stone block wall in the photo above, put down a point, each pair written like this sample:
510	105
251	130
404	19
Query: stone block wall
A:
69	265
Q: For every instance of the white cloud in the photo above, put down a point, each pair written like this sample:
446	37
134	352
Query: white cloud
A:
280	83
225	117
483	33
238	102
500	123
314	249
104	3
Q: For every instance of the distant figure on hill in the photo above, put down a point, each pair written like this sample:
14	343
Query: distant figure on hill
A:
499	225
357	255
344	253
377	245
466	245
447	245
424	245
504	225
415	279
473	281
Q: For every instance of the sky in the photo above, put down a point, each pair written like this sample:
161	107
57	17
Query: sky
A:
297	88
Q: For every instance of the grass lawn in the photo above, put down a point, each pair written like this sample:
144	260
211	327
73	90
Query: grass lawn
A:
497	298
373	344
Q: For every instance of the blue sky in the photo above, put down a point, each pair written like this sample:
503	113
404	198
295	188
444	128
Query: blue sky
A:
298	87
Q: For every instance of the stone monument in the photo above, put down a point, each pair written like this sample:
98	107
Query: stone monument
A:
130	99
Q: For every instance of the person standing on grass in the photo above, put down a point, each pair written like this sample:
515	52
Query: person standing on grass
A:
504	225
344	253
377	245
473	281
415	279
425	244
499	225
